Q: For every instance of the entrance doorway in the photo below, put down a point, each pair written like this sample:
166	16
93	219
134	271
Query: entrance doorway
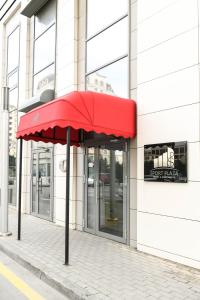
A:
106	191
42	183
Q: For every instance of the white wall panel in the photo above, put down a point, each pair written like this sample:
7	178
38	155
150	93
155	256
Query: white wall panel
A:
177	236
65	76
171	199
180	88
133	224
171	56
60	211
60	187
59	208
134	15
175	19
133	163
181	124
148	9
133	194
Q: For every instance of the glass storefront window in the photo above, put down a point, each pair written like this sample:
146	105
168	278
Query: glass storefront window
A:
111	191
13	99
106	72
13	80
44	50
45	17
112	80
100	13
44	80
107	46
91	188
13	51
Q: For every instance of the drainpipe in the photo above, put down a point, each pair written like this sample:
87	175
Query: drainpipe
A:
4	163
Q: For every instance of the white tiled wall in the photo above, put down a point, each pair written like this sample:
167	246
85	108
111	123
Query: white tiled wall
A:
176	124
167	92
170	56
177	89
182	16
163	236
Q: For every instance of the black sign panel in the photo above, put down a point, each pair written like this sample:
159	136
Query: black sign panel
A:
165	162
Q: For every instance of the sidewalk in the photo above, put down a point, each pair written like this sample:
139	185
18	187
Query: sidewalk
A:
99	268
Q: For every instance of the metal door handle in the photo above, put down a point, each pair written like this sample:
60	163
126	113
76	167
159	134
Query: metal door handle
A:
40	185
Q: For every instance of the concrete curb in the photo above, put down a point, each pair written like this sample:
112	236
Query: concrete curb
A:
69	291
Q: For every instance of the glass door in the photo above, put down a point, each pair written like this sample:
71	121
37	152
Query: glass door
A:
42	183
91	190
106	191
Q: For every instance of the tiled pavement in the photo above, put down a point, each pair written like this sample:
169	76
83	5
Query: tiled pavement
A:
99	268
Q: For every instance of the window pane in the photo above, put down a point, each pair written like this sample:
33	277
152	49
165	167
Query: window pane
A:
44	50
13	99
101	13
44	80
13	80
112	80
107	46
13	50
45	17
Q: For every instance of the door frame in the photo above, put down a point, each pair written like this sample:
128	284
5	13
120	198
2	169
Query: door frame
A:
37	151
96	231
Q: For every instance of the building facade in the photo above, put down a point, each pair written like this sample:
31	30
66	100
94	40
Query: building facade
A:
144	50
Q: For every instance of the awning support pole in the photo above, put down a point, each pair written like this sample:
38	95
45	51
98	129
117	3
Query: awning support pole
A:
20	190
67	196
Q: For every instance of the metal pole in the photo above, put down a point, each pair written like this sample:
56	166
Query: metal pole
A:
20	190
67	196
4	118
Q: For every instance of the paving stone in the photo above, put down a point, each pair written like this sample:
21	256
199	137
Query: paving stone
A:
99	268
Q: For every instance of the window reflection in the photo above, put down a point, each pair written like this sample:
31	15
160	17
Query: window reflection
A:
45	17
112	80
13	50
107	46
111	191
13	99
13	80
101	13
91	189
44	50
44	80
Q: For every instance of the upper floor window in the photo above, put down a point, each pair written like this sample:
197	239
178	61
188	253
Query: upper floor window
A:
102	13
12	78
107	47
13	67
111	44
13	51
44	48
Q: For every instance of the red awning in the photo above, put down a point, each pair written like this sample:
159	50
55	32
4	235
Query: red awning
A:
89	111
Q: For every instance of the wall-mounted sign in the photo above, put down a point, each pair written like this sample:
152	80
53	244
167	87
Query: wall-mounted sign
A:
165	162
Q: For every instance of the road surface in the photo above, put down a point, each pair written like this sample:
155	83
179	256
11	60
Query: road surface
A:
17	283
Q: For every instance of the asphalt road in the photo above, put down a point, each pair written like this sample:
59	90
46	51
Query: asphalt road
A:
16	283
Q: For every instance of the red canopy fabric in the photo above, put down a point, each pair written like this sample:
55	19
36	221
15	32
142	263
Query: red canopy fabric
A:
89	111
